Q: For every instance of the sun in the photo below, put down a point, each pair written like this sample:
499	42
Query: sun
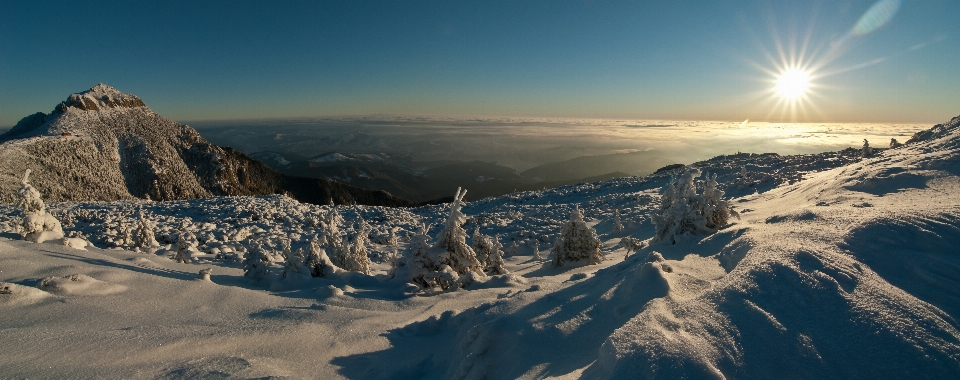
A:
793	84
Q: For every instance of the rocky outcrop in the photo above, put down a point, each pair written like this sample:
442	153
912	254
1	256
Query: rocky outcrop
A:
103	144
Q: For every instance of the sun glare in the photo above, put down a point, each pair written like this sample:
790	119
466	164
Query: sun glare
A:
793	84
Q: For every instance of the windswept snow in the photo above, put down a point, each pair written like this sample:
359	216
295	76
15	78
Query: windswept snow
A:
841	266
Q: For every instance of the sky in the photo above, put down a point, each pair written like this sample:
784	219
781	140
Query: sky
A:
887	61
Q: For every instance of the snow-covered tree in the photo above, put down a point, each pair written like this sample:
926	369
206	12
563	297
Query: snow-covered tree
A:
578	243
514	249
866	150
255	262
316	260
453	240
895	144
37	225
295	265
331	237
536	250
630	244
145	239
420	260
617	223
186	242
495	260
356	259
482	246
684	212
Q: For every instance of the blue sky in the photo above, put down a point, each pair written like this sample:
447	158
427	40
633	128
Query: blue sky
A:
681	60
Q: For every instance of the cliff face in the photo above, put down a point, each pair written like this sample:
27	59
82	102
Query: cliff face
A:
102	144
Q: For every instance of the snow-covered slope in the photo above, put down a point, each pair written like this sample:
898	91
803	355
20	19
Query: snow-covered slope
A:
102	144
841	271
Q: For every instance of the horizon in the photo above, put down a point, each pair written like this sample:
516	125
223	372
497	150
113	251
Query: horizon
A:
860	61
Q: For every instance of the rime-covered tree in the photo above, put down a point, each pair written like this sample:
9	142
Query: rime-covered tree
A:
316	260
356	259
866	150
294	265
255	262
514	249
495	264
482	247
145	239
37	224
578	243
420	261
895	144
186	242
453	240
684	212
617	223
536	250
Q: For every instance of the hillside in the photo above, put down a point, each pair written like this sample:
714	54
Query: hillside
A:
103	144
840	266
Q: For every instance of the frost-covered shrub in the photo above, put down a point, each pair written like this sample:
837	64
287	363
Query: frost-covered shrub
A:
295	265
617	223
186	243
630	244
37	225
866	150
316	261
895	144
495	260
144	239
453	240
482	247
356	259
684	212
578	243
255	263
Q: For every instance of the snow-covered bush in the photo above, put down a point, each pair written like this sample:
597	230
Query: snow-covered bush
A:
186	242
482	247
356	259
145	239
495	260
630	244
255	263
895	144
295	265
316	261
866	150
578	243
684	212
617	223
453	240
37	225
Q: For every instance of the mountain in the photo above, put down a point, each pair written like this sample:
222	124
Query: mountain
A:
422	181
102	144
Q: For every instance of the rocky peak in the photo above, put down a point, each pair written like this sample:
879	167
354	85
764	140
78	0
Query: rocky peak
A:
102	96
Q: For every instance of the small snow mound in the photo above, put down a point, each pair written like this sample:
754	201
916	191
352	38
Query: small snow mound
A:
79	284
103	96
76	243
13	294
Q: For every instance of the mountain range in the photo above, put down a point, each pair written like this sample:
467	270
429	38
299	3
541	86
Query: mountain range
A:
102	144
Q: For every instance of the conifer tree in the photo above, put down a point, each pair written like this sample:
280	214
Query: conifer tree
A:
617	223
356	259
577	242
255	262
37	224
185	243
453	240
495	264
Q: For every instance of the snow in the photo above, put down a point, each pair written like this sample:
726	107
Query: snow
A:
839	267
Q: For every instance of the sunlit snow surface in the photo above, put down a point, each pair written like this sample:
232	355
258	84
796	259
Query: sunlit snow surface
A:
839	267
